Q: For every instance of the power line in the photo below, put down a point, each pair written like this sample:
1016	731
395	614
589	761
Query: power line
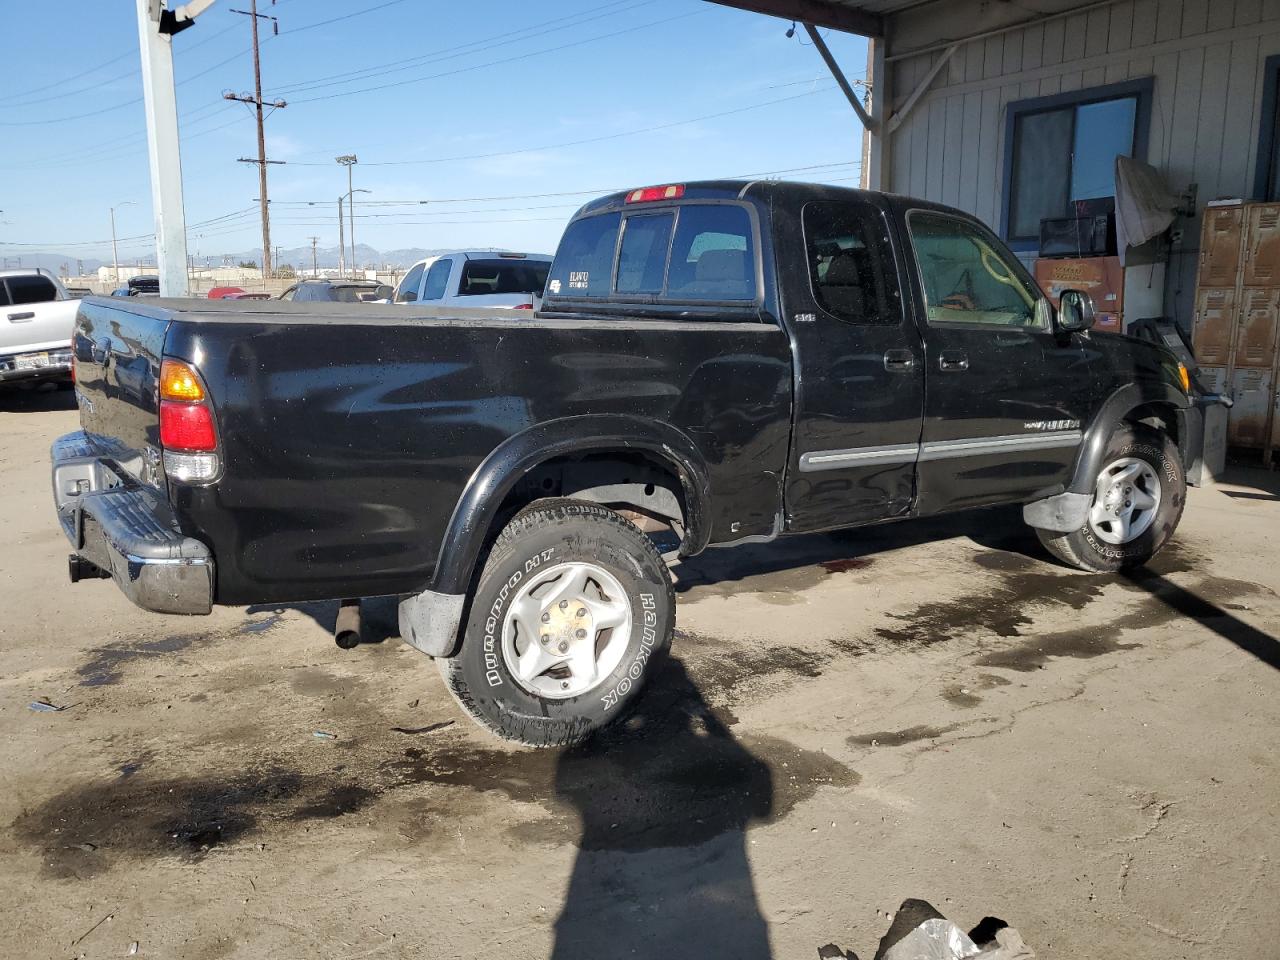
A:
586	140
506	60
465	49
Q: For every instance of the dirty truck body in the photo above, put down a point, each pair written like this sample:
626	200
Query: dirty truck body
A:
737	361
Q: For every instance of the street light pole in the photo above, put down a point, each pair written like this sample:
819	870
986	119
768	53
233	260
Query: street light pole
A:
349	160
115	257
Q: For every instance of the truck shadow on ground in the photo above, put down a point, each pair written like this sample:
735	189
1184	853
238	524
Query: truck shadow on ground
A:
797	562
43	399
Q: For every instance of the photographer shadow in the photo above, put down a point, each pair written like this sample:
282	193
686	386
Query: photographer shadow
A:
665	799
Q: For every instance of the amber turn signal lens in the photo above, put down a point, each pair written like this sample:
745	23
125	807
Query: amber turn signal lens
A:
178	381
1184	377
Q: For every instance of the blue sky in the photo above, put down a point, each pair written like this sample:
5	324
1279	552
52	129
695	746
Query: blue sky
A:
450	103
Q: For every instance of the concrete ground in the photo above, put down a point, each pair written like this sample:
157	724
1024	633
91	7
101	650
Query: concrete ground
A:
930	709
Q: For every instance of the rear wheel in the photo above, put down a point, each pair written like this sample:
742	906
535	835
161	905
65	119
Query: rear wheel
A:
1137	501
573	613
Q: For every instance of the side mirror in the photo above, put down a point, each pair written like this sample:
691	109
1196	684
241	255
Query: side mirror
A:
1075	311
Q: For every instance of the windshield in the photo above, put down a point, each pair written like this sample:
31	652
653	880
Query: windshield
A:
481	277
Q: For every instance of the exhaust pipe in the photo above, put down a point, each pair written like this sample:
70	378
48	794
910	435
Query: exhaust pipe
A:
346	631
78	568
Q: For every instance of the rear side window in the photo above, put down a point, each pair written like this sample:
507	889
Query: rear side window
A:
642	259
502	276
437	280
31	289
584	262
353	293
851	270
712	254
4	295
408	290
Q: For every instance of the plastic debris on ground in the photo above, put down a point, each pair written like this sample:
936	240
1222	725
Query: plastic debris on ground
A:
324	735
919	932
44	706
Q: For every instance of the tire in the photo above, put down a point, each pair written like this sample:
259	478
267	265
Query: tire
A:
614	581
1138	460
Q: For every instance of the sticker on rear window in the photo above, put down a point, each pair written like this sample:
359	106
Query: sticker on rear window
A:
555	286
579	279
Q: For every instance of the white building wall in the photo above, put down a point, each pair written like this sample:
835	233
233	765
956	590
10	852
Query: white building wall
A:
1207	59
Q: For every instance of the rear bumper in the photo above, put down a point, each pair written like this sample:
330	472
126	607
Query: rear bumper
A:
56	364
128	530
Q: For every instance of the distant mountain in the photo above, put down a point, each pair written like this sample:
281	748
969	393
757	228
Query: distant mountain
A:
299	258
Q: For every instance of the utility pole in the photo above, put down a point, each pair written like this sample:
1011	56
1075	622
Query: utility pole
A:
349	161
262	161
342	244
315	266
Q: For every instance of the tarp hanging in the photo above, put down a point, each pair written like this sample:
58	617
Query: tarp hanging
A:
1144	206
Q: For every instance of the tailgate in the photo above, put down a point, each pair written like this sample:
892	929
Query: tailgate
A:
118	345
36	326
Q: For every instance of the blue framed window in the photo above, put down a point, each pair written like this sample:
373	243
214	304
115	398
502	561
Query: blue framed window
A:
1062	149
1266	181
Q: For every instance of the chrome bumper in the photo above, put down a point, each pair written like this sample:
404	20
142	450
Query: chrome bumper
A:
57	365
128	530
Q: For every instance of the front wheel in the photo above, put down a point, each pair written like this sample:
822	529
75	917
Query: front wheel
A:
1137	501
573	613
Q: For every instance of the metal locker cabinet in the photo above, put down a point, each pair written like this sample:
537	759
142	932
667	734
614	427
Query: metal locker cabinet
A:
1251	414
1262	245
1256	339
1220	246
1214	326
1214	380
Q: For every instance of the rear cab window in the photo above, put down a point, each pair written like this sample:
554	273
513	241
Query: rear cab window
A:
852	274
32	288
677	253
508	275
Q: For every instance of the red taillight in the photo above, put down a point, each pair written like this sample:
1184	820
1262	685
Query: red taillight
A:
524	306
187	426
648	194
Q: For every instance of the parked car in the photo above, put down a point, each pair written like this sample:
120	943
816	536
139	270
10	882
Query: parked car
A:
36	319
221	293
476	278
139	287
337	291
738	361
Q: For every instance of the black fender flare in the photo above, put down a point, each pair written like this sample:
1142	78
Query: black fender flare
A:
1116	407
498	473
1066	510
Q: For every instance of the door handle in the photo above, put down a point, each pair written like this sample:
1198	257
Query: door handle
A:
952	361
21	317
899	361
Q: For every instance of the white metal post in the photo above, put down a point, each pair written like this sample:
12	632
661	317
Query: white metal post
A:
162	143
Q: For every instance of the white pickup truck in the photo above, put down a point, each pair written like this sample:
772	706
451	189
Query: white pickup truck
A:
36	320
476	278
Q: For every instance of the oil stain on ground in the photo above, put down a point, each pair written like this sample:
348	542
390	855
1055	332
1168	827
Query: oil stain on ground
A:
899	738
106	664
672	774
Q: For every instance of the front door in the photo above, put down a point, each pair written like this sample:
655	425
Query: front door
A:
1006	395
859	391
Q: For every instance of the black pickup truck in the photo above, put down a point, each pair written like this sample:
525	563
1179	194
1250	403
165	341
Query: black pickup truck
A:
735	361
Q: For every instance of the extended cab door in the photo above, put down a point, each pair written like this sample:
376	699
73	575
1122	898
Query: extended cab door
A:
859	384
1005	393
